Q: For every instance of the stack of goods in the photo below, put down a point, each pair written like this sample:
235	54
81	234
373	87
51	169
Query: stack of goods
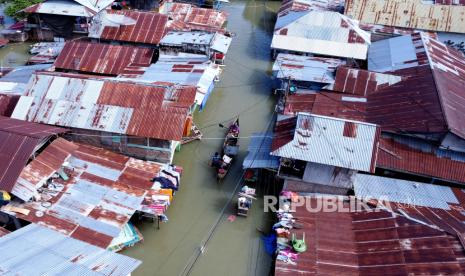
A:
129	236
165	185
288	246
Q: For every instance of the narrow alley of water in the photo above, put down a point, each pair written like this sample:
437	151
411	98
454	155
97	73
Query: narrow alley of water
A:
233	248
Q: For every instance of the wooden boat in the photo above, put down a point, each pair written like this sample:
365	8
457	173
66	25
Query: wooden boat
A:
230	150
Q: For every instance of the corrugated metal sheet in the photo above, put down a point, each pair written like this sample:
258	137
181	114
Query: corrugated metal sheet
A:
149	28
351	107
59	7
221	43
371	243
195	18
259	152
361	82
3	232
396	53
36	250
199	74
19	140
303	68
417	158
181	38
321	32
402	191
95	5
409	14
22	74
430	99
7	104
101	58
103	191
324	140
145	110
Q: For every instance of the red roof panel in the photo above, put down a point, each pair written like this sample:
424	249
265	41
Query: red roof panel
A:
101	58
18	141
149	28
371	243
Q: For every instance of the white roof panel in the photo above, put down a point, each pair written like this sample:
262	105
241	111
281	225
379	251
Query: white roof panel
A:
332	141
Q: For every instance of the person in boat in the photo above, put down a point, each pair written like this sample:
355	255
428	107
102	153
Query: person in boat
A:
234	129
216	161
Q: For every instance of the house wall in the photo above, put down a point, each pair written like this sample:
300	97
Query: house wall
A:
138	147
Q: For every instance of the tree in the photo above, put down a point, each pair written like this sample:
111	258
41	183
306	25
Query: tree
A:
14	6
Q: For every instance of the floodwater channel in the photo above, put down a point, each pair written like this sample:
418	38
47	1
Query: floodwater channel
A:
199	212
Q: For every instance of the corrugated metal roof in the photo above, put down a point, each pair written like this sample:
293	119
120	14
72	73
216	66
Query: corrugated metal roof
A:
361	82
303	68
181	38
332	141
95	5
321	32
102	192
339	105
195	18
145	110
415	156
149	27
402	191
396	53
370	243
7	104
22	74
36	250
102	58
60	7
259	152
199	74
430	99
408	13
3	232
19	140
221	43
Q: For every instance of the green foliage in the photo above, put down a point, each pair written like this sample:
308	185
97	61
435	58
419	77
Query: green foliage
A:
14	6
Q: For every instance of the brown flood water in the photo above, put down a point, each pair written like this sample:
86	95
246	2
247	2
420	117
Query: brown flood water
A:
235	248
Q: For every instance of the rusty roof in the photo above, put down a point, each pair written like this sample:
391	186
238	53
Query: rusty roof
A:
19	140
100	58
416	156
7	104
101	193
194	18
3	232
331	104
124	107
364	242
331	141
429	99
149	28
361	82
409	14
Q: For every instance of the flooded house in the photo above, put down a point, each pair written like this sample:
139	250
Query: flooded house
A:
213	45
308	27
101	58
146	121
324	151
297	72
81	191
421	230
54	20
59	253
191	70
189	17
